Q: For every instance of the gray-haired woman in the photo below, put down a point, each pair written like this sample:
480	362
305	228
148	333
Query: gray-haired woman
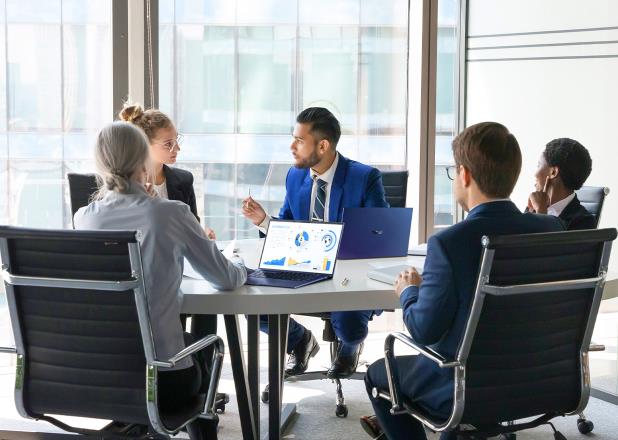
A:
170	232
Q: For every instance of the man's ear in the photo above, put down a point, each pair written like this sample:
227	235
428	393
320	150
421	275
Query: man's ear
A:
554	172
465	176
323	146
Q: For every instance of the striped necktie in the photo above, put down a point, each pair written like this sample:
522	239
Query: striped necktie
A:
319	202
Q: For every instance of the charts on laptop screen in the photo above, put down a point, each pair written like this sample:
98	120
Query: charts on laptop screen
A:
301	247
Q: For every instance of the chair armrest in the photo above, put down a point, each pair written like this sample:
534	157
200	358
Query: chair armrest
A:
215	373
596	347
391	365
10	350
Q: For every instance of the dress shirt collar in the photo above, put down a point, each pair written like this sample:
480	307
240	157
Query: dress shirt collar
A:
557	208
329	175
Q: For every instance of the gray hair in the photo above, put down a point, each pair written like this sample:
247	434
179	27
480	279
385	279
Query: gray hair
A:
121	150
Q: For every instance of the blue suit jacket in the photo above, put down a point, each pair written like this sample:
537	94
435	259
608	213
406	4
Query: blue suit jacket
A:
435	314
355	185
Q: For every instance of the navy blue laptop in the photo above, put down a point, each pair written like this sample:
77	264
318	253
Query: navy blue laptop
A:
296	254
375	233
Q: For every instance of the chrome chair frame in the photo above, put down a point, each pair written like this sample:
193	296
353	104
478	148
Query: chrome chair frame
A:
153	363
459	363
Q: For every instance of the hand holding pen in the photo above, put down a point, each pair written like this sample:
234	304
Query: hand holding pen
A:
253	210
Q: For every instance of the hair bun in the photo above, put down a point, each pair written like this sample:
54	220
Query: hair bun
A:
131	112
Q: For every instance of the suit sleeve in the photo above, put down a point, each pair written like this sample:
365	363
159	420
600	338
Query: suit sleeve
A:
375	196
285	213
428	311
204	256
191	201
587	221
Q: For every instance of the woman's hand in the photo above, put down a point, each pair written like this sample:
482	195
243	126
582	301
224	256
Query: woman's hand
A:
210	233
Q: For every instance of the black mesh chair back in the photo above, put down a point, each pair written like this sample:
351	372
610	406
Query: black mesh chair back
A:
82	329
525	348
395	186
81	189
82	348
592	198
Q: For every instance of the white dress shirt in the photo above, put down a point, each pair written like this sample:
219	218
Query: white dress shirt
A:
161	190
557	208
327	176
169	233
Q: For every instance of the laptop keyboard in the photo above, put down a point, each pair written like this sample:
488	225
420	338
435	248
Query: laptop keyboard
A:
282	275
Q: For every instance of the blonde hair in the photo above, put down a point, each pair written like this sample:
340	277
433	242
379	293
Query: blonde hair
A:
149	120
121	149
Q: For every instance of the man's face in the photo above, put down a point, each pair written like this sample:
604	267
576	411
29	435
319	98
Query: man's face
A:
305	148
543	170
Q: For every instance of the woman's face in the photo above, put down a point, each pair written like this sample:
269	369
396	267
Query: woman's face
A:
164	146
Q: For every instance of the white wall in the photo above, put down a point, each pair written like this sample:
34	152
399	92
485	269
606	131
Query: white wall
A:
561	83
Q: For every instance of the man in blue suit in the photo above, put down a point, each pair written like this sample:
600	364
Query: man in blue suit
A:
318	187
436	305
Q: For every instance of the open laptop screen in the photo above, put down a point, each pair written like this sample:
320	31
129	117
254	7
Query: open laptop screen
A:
301	246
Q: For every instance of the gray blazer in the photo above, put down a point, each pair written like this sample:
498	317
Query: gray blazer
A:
169	233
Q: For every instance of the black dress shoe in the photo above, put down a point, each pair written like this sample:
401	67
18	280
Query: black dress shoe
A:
298	361
344	366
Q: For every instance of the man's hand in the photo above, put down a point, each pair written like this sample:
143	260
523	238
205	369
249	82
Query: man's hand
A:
409	277
210	233
538	201
253	211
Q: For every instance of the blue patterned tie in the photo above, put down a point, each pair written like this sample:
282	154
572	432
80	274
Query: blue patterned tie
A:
320	201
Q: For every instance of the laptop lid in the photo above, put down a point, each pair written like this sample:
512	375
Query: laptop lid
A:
375	232
296	246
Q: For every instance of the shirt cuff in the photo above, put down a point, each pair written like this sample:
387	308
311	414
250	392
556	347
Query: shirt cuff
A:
408	296
263	227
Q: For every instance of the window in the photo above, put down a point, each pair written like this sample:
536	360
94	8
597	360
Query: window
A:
234	73
56	92
447	90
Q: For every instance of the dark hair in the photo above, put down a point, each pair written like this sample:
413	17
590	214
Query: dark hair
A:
571	158
492	156
324	125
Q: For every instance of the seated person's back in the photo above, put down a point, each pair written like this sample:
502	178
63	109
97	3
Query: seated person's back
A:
488	162
563	168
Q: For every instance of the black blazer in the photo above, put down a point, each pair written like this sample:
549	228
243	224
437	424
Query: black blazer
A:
179	184
575	216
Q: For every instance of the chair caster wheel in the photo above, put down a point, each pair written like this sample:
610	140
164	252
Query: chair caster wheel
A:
221	400
220	407
585	426
265	395
341	411
509	436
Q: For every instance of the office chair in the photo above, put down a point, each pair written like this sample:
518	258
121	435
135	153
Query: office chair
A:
81	189
83	338
592	198
525	349
395	186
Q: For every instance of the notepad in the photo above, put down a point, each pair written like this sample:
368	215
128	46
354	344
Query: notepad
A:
389	274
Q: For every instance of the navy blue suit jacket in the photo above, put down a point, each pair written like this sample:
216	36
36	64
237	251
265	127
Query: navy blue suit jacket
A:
435	314
355	185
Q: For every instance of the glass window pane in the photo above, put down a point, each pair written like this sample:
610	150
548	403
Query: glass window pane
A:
383	80
206	11
35	146
4	194
3	101
87	87
445	207
166	12
264	148
329	63
207	148
321	12
34	76
267	11
36	194
266	65
166	70
38	11
206	79
379	12
91	11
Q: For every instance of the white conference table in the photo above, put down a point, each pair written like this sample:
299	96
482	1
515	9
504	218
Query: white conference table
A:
359	293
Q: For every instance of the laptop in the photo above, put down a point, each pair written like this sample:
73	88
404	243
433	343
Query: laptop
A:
296	254
375	233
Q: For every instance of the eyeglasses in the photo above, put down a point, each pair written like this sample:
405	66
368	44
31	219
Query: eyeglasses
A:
451	171
171	144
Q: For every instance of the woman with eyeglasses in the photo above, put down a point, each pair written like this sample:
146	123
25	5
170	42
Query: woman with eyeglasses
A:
167	182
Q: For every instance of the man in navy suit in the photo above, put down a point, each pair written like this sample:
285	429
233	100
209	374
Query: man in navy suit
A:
318	187
436	305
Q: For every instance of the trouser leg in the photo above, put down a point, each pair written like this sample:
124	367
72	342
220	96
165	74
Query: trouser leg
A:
295	331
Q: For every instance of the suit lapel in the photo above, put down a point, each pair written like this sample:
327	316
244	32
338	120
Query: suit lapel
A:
336	191
171	184
304	197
